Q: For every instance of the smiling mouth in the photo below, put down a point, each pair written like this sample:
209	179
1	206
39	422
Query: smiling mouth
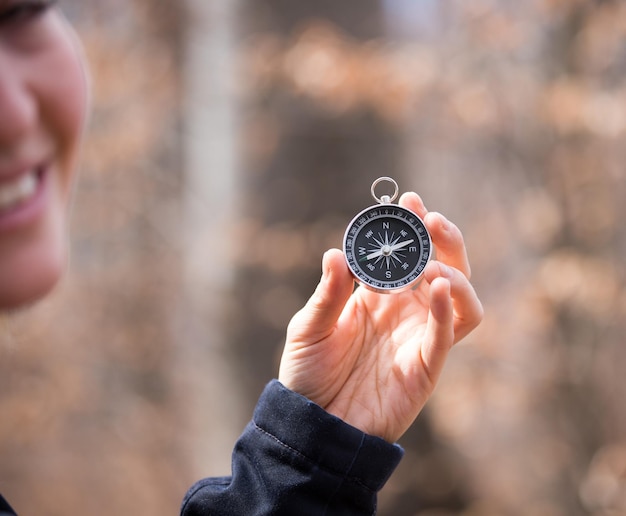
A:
19	191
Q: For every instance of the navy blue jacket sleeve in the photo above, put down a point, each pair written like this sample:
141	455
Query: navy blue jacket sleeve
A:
295	458
5	508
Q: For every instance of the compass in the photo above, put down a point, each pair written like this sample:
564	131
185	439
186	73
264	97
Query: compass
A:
387	246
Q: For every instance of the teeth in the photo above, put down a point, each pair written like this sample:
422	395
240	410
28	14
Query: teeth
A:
14	193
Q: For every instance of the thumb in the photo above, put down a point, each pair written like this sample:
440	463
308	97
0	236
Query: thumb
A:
318	317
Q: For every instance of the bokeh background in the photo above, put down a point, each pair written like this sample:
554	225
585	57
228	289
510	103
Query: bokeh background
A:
231	142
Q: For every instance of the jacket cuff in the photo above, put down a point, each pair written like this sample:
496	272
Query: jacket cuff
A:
324	439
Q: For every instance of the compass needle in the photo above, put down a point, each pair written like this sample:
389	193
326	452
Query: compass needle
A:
401	245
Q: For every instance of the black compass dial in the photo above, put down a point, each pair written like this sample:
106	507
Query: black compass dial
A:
387	248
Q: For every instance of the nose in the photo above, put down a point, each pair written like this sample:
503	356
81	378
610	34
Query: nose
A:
18	106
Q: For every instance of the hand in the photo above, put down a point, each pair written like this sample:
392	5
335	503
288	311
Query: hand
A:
371	359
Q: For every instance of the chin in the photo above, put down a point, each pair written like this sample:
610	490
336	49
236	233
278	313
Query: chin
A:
30	274
33	295
27	293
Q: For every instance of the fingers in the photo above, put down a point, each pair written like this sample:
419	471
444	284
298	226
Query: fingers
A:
439	337
320	314
413	202
447	238
448	241
455	311
467	309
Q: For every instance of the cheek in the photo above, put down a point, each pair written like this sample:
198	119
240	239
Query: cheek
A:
64	105
33	259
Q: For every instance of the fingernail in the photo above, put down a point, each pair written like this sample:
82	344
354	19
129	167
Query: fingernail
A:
326	269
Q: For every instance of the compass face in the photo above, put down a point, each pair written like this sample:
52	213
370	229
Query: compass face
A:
387	248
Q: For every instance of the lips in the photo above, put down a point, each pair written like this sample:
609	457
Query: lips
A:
18	191
22	198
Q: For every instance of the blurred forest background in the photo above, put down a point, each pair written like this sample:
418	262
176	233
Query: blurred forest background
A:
230	144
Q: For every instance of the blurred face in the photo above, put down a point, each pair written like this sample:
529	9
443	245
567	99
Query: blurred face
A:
42	110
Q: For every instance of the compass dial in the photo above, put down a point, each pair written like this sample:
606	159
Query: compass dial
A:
387	248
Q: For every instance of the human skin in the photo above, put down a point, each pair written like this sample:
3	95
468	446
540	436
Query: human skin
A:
43	106
372	359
